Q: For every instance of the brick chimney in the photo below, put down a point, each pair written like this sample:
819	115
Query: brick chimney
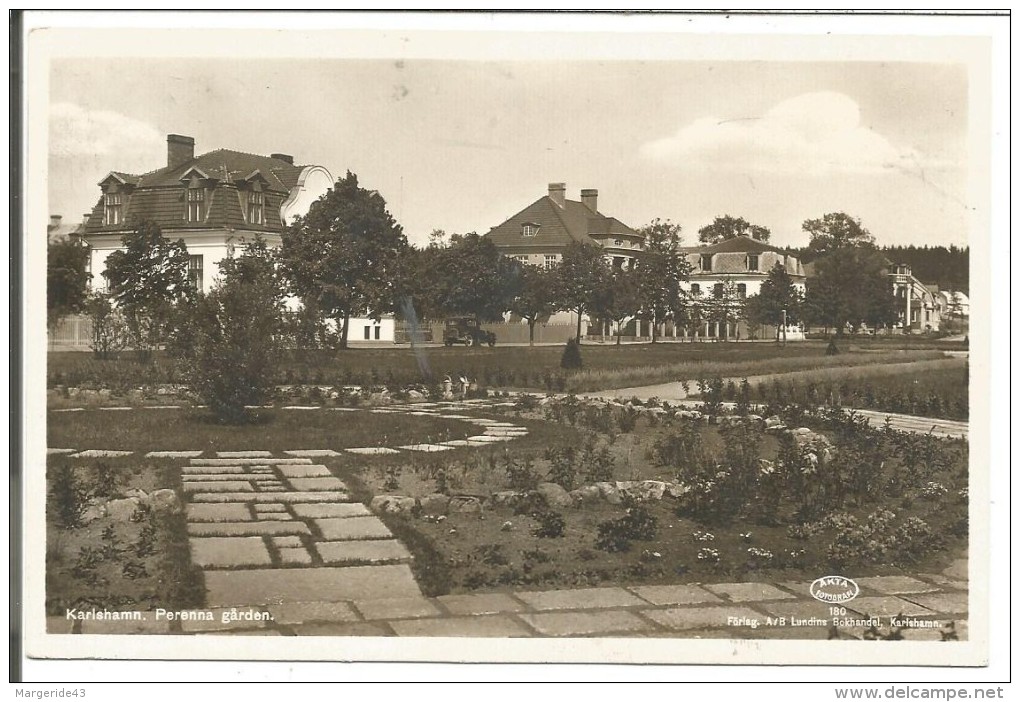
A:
558	193
590	198
179	149
54	222
283	157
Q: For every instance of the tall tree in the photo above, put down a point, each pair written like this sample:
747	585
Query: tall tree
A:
727	227
725	306
836	230
620	299
661	269
537	298
343	254
583	272
473	278
147	279
67	279
777	300
850	287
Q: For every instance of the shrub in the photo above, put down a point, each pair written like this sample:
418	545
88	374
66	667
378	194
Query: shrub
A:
70	496
832	349
571	359
520	474
109	331
638	524
562	471
551	525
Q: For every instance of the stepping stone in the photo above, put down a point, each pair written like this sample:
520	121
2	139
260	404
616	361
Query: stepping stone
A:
674	594
749	592
295	556
58	451
426	448
390	550
502	626
430	413
302	407
323	584
70	409
99	453
396	607
585	623
699	617
488	439
312	453
286	541
456	443
148	624
895	584
372	451
342	409
888	606
316	471
218	513
116	409
217	486
219	477
482	603
943	602
244	454
301	612
454	416
173	454
229	552
582	598
260	509
317	484
247	461
250	528
211	470
341	510
276	517
383	411
270	496
162	407
352	528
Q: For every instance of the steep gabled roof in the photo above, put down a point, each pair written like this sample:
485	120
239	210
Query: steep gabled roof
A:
558	226
227	165
738	244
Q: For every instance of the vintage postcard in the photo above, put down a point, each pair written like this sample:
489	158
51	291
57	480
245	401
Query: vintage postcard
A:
515	338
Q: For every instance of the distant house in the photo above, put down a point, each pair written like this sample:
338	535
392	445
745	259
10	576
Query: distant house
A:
920	308
215	203
59	230
954	303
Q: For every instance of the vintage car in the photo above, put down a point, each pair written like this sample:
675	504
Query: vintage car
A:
465	330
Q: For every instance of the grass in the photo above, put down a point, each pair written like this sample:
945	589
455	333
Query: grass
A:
281	430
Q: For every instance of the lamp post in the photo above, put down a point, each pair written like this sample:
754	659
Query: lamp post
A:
784	327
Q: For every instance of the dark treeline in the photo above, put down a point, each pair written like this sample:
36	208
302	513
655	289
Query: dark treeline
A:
945	266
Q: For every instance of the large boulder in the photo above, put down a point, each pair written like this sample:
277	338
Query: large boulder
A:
165	500
554	495
642	490
506	497
677	490
434	503
585	494
465	503
393	504
123	509
610	493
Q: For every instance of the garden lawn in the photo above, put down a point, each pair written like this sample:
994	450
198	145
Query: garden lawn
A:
280	429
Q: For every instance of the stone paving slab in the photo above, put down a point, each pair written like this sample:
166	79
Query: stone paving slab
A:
100	453
481	603
303	612
586	598
396	607
281	496
492	626
801	609
228	552
295	556
958	570
211	512
274	586
313	453
749	592
887	606
680	618
342	409
301	407
317	484
376	551
275	517
337	629
217	486
457	443
945	602
895	584
486	439
148	624
199	477
339	510
304	471
286	541
270	507
253	528
59	451
426	448
246	461
115	409
372	450
674	594
174	454
244	454
586	623
352	528
211	470
943	581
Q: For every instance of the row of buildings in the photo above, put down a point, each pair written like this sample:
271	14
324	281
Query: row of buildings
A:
219	200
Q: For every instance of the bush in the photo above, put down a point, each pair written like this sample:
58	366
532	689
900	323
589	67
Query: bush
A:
616	534
551	525
832	349
571	359
109	331
70	496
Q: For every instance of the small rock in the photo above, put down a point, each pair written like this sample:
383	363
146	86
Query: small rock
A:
122	509
415	395
677	490
393	504
773	421
465	503
644	490
165	500
92	513
554	495
507	526
505	497
135	492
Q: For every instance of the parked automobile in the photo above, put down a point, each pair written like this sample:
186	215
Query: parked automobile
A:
466	330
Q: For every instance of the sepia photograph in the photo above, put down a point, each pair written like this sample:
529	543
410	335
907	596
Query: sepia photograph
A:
591	339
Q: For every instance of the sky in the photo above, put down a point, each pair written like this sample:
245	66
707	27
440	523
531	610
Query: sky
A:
463	145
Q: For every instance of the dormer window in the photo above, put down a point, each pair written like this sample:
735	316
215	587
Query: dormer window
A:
196	203
113	210
752	262
706	262
529	229
255	208
618	242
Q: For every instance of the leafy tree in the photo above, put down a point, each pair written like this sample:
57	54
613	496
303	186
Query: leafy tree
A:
537	297
230	341
146	280
850	287
582	272
727	227
777	294
725	306
343	254
473	278
661	269
417	287
109	332
836	230
67	279
620	299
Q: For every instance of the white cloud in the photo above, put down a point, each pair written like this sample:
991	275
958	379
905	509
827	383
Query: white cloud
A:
814	133
129	144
